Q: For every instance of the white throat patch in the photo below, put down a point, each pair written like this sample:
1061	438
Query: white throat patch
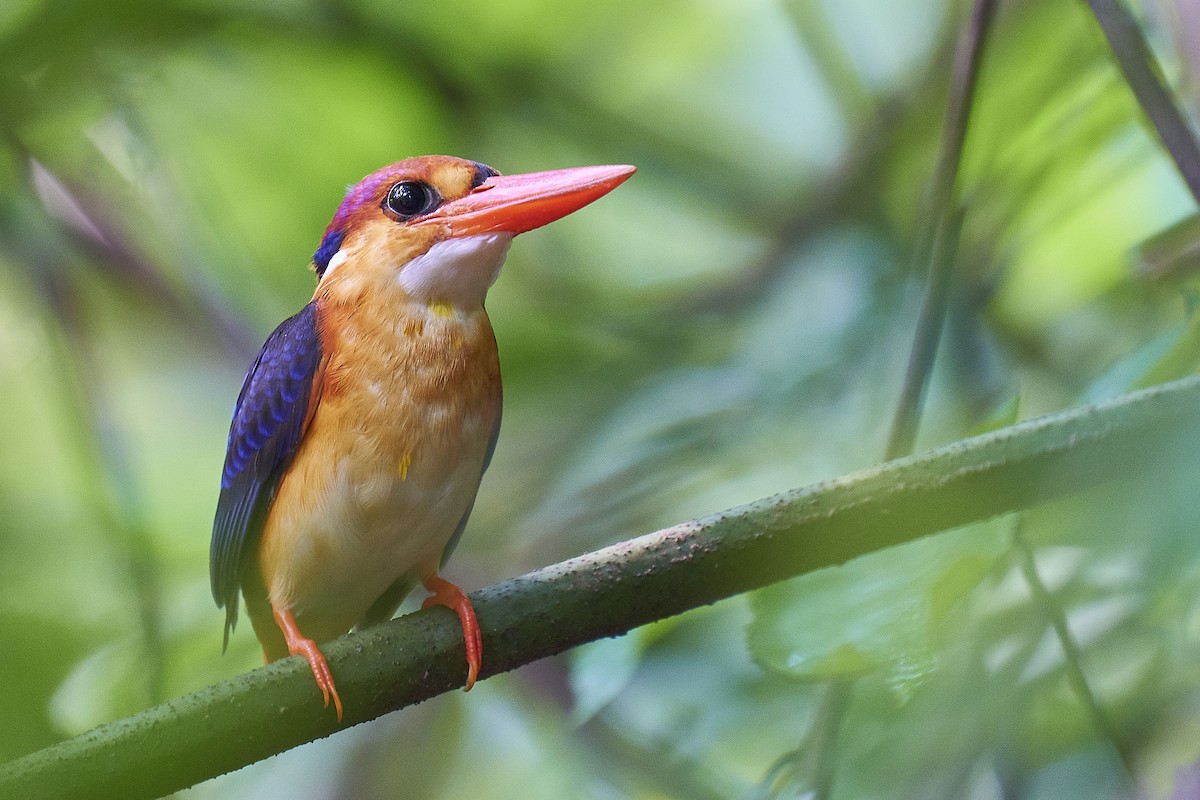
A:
457	271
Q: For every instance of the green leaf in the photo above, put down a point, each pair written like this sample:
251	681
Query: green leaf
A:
881	612
600	670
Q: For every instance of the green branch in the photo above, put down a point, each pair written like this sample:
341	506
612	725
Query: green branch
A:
611	591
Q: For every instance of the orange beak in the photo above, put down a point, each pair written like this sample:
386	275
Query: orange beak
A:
518	203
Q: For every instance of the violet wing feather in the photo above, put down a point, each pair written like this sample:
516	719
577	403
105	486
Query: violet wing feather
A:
268	424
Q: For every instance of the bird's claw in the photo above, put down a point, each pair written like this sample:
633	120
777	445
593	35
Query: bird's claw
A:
300	645
445	593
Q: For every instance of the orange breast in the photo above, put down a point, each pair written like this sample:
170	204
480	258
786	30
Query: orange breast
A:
391	461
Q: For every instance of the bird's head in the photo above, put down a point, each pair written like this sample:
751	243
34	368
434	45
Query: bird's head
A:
438	227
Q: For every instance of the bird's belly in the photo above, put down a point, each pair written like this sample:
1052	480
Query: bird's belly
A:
372	531
376	520
388	468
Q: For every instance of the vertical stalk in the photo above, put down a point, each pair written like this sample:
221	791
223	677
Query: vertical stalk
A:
1072	654
937	240
1136	61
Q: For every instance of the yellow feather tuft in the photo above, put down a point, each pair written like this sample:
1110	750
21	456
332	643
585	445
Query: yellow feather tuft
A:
443	310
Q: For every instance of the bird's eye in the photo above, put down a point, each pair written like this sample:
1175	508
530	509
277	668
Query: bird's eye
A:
406	199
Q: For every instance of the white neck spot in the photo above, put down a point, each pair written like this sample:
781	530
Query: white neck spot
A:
338	259
458	271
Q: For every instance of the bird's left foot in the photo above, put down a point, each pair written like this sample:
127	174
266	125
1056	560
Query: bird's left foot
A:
445	593
300	645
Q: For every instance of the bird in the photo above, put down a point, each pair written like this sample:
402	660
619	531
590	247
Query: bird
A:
364	427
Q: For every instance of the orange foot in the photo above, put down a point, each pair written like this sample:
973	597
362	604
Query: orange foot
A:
445	593
298	645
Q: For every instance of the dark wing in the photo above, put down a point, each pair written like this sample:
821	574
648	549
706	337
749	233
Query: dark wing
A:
268	423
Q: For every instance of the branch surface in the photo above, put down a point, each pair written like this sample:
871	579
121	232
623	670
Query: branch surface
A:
608	592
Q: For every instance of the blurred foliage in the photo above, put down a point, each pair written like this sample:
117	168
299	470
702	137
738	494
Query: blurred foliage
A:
732	322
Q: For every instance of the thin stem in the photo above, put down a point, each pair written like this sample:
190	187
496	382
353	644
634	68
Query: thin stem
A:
928	333
1133	55
810	769
837	69
828	723
937	240
1072	653
968	56
106	482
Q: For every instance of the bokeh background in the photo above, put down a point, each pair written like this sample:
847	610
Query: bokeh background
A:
732	322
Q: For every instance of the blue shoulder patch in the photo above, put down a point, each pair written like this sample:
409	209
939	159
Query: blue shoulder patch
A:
329	246
268	424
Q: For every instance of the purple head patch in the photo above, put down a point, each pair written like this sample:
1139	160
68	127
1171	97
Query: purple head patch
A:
362	194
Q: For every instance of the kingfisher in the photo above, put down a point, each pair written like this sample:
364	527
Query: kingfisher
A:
364	426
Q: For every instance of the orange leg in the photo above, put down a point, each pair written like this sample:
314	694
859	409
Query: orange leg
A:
298	645
445	593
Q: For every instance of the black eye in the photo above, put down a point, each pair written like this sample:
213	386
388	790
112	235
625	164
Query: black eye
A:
409	198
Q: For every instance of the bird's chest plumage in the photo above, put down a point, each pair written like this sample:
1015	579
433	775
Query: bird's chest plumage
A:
392	458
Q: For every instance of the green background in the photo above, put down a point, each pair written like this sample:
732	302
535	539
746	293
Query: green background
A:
732	322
